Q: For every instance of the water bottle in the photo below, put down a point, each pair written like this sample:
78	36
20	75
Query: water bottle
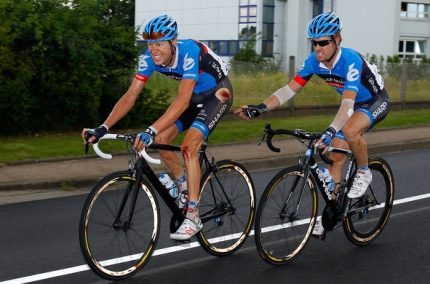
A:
170	185
328	179
183	195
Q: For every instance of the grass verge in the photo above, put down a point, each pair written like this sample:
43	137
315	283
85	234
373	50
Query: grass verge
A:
61	145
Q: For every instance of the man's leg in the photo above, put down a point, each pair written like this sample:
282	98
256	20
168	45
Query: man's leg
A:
190	152
339	160
353	130
170	158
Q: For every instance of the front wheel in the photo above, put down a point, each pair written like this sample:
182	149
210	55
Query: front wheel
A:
286	215
227	208
369	214
119	226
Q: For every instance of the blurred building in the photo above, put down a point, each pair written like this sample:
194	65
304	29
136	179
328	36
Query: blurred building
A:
380	27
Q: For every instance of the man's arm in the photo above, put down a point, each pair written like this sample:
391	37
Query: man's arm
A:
121	108
275	100
125	103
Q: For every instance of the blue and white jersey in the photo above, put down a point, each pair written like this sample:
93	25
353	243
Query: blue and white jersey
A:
350	72
194	60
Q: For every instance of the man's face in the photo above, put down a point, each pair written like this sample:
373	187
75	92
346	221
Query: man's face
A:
161	52
324	47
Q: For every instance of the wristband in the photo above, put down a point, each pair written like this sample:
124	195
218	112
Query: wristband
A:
330	132
105	126
153	129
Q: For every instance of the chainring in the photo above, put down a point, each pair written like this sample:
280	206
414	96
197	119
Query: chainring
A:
329	218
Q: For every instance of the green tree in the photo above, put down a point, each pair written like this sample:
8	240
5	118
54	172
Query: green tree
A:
59	59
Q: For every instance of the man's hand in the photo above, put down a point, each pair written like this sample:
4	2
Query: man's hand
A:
251	111
92	135
325	141
146	138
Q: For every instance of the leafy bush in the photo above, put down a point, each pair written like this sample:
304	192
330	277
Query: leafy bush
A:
58	59
247	54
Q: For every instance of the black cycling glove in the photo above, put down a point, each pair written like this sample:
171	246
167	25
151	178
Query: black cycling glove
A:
255	111
98	132
328	135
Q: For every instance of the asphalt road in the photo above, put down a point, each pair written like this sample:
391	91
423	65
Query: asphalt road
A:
39	244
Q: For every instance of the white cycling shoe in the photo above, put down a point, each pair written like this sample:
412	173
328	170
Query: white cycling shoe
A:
187	230
318	229
361	183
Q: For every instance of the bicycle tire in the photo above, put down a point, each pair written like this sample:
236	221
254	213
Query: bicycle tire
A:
227	202
365	226
110	249
280	232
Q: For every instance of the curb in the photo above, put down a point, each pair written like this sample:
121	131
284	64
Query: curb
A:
250	165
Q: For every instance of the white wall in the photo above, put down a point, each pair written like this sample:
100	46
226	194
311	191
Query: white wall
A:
370	27
202	20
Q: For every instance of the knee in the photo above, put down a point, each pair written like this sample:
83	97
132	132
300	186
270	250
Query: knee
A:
188	152
350	134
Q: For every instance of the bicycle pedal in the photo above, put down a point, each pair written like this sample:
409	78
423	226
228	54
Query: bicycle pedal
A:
320	237
183	241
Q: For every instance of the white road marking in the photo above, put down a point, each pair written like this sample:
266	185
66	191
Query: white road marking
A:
81	268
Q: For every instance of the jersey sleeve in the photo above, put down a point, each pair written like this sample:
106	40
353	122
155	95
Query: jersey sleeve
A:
146	67
306	71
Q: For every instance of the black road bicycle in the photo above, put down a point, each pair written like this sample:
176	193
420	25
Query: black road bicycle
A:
287	211
120	221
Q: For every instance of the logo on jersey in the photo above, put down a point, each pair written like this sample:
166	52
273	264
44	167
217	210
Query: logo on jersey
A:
335	82
353	73
188	63
143	65
218	70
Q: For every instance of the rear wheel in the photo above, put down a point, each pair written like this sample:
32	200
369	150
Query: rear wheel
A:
285	216
114	248
369	214
227	208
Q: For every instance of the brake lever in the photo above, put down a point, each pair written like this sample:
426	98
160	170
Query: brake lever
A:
262	137
86	148
87	135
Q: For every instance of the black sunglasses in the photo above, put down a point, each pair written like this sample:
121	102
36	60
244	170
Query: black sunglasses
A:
321	42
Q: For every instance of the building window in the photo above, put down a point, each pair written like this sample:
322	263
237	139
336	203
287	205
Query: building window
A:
317	8
412	49
223	47
247	21
248	24
268	29
414	10
248	14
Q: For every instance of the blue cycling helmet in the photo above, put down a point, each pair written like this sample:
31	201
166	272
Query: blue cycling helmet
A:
160	28
327	24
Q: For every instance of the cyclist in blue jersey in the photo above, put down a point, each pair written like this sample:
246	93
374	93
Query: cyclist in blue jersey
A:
364	103
205	95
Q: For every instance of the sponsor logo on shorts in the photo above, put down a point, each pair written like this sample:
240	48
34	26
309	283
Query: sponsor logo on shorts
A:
380	110
217	117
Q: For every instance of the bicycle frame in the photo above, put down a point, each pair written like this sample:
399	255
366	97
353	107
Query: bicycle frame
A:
338	207
143	168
